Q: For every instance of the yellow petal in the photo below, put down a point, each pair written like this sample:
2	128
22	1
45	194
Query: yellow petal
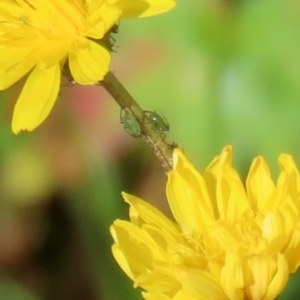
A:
122	260
211	174
89	63
161	229
231	196
289	210
226	188
14	64
185	294
37	98
232	279
101	17
265	277
289	176
259	184
161	280
292	251
10	10
132	251
188	196
149	215
280	279
228	237
202	283
273	231
143	8
155	295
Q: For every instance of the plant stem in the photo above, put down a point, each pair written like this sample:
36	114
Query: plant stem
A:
155	138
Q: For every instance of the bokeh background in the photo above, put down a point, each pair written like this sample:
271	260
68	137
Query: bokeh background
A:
221	72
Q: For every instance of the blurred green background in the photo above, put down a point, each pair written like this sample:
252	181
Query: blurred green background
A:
222	72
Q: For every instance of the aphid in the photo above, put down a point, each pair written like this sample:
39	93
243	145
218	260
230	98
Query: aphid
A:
108	41
172	146
130	124
160	123
115	28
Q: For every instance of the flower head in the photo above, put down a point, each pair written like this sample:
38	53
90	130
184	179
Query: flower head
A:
228	241
38	37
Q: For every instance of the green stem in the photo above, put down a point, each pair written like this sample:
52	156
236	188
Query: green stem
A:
155	138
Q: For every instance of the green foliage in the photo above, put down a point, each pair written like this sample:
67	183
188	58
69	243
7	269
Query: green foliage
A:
11	290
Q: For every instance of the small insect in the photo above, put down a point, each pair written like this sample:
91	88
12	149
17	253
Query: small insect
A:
160	123
108	41
130	124
172	146
115	28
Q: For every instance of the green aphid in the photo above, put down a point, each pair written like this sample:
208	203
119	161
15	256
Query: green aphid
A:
130	124
172	146
160	123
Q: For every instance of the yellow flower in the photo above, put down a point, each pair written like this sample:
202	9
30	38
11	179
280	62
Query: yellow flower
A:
37	37
228	241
